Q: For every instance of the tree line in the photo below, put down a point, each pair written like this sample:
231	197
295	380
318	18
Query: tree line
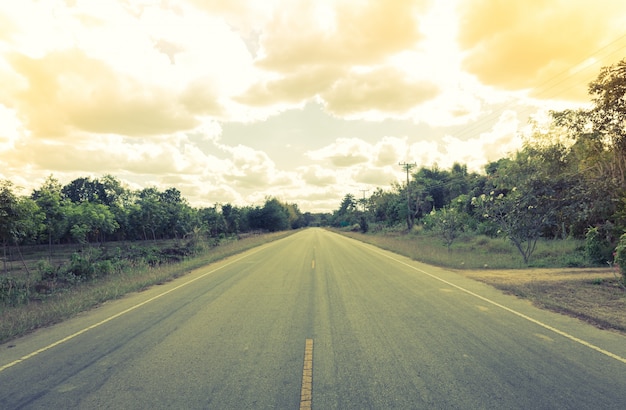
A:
102	209
568	181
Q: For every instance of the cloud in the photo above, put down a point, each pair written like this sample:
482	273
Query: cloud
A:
318	176
342	54
291	88
344	152
376	176
499	142
538	44
345	32
384	89
253	169
67	90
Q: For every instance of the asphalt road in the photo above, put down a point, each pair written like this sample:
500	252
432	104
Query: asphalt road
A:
382	332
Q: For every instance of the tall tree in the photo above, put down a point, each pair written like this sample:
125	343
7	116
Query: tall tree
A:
608	116
49	198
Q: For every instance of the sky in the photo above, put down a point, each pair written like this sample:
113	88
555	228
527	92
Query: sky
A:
303	100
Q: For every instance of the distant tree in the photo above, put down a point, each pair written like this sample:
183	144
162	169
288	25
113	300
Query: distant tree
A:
8	216
272	217
212	221
85	190
346	214
149	213
50	200
20	220
386	207
231	217
90	222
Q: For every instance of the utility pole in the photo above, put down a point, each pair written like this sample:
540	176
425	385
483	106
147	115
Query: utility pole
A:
363	202
409	219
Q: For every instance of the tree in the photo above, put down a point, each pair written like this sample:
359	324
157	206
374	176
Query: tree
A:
149	213
608	116
523	203
346	214
20	220
272	217
84	190
90	221
447	222
231	216
212	221
386	207
179	217
50	201
8	215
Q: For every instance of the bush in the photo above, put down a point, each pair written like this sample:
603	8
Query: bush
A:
620	256
81	266
13	292
597	249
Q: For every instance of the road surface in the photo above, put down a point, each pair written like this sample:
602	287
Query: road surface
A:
316	320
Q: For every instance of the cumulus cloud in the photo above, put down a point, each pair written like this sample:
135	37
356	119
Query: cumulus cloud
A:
344	152
67	89
318	176
342	54
345	32
538	44
384	89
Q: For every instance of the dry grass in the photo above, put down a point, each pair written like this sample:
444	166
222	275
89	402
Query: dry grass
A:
594	295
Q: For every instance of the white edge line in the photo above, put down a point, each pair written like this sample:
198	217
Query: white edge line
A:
115	316
508	309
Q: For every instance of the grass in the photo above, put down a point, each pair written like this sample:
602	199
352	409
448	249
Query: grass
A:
18	320
473	252
558	277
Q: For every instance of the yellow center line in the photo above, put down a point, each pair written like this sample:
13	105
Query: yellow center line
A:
313	264
306	394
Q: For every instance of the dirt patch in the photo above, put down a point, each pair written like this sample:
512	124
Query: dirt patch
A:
594	295
522	276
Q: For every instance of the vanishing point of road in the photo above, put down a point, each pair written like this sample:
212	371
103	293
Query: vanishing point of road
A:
316	320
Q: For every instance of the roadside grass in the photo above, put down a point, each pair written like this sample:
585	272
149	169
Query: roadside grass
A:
18	320
472	251
594	295
558	277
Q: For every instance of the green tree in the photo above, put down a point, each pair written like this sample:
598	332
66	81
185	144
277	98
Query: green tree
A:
90	222
447	223
8	216
272	217
148	212
346	214
386	207
608	115
51	202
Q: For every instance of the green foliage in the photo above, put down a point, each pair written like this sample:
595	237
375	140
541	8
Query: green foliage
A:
620	256
447	223
363	225
13	292
517	216
597	248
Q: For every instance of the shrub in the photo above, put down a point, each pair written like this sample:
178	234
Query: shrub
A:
13	292
620	256
597	249
81	266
